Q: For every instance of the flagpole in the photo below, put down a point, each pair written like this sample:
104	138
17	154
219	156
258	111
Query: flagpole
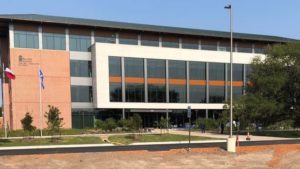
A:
41	123
3	112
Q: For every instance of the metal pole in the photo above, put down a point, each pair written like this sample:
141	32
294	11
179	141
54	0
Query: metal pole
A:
3	112
189	132
231	48
41	123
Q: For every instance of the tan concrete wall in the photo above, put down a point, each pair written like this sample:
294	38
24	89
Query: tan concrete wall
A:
25	88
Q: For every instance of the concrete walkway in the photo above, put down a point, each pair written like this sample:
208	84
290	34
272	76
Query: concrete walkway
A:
225	136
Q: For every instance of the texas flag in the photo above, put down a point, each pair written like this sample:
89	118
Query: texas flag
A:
9	74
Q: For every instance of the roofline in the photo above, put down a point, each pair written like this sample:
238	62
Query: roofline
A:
140	27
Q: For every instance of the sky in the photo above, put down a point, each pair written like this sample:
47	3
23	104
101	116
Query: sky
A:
267	17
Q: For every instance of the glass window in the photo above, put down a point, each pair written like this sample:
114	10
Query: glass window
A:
115	90
237	91
177	93
189	44
145	42
174	43
197	94
156	93
216	94
209	46
128	39
81	68
54	41
81	93
134	67
135	92
80	43
238	72
115	66
259	50
156	68
197	70
106	38
177	69
224	46
216	71
26	39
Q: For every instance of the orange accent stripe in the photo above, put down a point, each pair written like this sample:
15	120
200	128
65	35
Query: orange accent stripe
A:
156	81
216	83
115	79
198	82
177	81
236	83
134	80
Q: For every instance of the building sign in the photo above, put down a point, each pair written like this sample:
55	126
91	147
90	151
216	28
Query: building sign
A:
23	61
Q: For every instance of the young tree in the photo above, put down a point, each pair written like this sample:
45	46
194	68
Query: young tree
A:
110	124
27	123
163	124
54	122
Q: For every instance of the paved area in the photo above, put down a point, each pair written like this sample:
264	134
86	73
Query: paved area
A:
224	136
253	157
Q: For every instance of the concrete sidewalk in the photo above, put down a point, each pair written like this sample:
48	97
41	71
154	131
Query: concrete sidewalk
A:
225	136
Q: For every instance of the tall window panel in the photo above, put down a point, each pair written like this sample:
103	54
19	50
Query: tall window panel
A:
134	80
54	41
81	93
237	73
80	43
216	94
217	71
81	68
248	72
26	39
156	70
216	82
177	81
197	72
115	73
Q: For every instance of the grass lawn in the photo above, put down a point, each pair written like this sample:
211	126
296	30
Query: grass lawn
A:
128	139
49	141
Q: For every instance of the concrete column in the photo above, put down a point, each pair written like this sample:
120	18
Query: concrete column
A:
139	40
11	36
187	81
123	79
253	48
67	39
40	35
244	78
226	80
167	82
218	46
92	37
160	41
199	45
207	88
123	114
146	80
180	43
117	38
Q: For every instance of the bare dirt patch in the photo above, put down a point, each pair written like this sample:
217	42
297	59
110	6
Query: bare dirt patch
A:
273	156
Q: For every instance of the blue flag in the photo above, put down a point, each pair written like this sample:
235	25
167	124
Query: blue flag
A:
41	78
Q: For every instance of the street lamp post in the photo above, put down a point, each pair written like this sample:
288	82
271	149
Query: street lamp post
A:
230	142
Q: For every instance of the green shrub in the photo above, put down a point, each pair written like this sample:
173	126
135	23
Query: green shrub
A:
282	125
210	124
99	124
110	124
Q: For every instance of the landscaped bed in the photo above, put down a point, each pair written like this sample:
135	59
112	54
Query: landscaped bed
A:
49	141
133	138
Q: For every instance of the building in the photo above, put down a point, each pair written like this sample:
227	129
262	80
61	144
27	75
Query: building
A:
97	69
